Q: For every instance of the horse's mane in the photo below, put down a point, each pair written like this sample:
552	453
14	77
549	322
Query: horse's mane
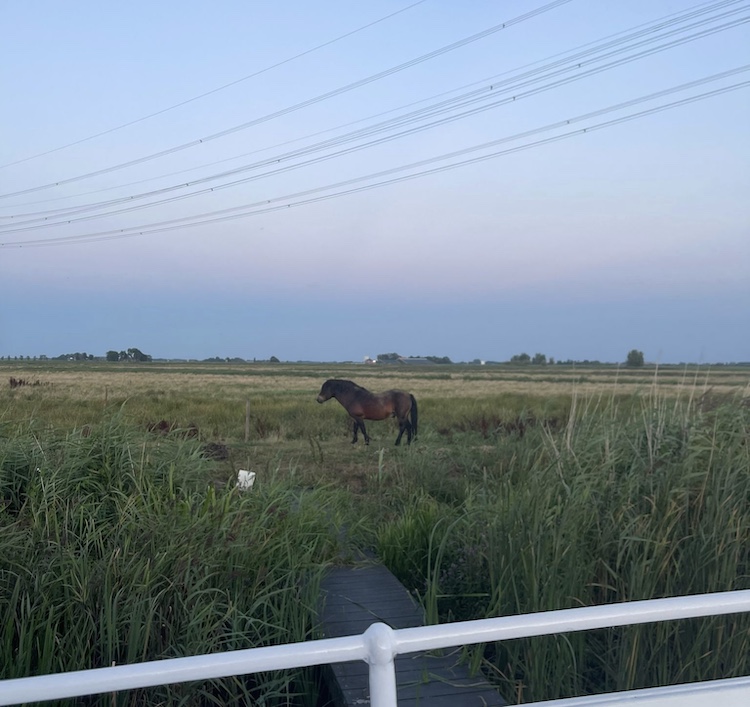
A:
342	382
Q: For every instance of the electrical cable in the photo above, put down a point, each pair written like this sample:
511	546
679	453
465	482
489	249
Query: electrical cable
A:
609	41
45	222
44	219
307	197
303	104
216	90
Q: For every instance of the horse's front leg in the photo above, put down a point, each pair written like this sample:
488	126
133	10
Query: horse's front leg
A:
356	428
360	425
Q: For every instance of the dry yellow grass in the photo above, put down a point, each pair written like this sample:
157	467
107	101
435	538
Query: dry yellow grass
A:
238	381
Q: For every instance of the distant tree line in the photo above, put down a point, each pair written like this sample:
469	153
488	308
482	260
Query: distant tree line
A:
129	355
77	356
237	359
539	359
391	357
132	354
634	359
23	358
225	359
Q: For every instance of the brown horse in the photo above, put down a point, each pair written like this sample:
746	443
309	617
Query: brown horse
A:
363	405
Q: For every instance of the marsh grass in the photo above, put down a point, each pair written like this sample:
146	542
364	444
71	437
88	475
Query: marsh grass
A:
115	549
213	396
574	487
614	507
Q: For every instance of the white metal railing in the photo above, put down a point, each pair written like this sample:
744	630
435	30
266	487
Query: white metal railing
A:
380	644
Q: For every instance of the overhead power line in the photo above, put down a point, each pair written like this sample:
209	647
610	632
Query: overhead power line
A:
58	217
303	104
542	64
581	52
385	178
217	89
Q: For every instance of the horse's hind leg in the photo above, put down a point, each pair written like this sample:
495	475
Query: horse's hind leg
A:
404	425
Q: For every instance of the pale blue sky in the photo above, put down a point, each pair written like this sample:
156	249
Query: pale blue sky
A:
631	236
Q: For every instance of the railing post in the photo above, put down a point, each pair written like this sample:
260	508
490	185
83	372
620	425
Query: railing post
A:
380	642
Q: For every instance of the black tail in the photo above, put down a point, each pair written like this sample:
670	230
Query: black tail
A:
414	416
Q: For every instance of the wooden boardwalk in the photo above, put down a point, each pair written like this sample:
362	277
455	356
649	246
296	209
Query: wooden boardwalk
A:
355	597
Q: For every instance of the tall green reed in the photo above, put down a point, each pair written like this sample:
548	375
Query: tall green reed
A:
114	549
629	501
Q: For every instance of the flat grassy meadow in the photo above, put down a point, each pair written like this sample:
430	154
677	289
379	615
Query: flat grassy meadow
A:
529	488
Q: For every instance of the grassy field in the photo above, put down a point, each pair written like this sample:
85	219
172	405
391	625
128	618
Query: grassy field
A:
122	538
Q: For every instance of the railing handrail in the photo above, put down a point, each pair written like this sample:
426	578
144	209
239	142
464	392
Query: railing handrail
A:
378	646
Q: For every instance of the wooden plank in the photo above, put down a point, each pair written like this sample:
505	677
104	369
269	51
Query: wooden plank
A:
353	598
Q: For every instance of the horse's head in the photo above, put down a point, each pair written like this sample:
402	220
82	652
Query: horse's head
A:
326	392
